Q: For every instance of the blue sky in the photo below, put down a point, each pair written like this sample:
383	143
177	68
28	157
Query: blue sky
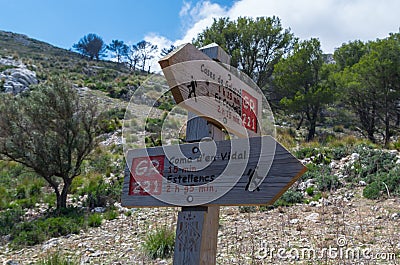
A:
165	22
64	22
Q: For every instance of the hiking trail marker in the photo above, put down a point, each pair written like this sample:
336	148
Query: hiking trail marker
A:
201	176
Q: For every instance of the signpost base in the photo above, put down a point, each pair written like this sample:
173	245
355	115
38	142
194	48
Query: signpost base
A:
196	236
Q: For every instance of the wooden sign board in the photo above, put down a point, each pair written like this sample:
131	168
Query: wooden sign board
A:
253	171
217	92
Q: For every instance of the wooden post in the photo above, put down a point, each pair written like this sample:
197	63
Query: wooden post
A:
197	227
261	172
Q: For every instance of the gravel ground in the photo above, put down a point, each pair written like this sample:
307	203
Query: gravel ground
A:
332	231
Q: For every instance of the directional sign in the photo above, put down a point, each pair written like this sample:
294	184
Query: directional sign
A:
217	92
210	173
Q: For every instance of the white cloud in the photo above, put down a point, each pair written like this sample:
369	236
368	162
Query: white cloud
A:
194	20
198	18
161	42
185	9
334	22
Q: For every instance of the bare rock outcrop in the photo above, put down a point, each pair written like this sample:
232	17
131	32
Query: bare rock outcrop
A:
16	78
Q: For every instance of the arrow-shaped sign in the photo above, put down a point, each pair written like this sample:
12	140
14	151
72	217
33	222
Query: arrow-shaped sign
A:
210	173
219	93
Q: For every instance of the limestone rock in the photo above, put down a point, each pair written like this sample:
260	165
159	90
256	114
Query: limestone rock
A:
17	79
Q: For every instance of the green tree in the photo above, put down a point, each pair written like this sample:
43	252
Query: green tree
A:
380	72
354	93
303	79
372	86
91	46
255	45
119	49
146	52
349	54
50	130
133	57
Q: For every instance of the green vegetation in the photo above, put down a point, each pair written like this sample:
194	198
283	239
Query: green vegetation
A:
289	198
95	220
302	80
377	168
325	111
255	45
57	259
91	46
159	243
54	224
359	89
23	189
51	131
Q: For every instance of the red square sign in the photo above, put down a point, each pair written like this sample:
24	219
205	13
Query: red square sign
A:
146	175
249	111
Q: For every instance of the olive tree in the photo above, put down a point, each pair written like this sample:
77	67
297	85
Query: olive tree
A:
51	130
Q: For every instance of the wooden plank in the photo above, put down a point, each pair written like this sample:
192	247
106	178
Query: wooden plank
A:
197	128
189	186
209	237
188	236
215	52
217	92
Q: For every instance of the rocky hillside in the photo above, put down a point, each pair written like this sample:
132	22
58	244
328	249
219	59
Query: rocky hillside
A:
25	61
344	210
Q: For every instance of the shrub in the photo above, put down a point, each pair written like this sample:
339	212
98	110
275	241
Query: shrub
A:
382	184
317	197
101	194
55	224
372	191
371	163
306	152
310	191
8	219
159	243
21	192
322	174
396	145
327	182
95	220
5	198
338	128
339	152
111	214
289	198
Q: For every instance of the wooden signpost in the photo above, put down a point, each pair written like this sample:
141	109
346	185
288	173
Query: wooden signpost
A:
202	175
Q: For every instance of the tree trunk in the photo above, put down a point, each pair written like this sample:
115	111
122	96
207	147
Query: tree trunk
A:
311	130
387	129
62	197
300	123
312	115
371	136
